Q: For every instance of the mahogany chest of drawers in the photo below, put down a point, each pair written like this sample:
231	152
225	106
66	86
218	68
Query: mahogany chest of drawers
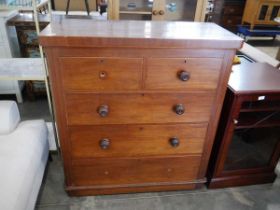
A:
137	103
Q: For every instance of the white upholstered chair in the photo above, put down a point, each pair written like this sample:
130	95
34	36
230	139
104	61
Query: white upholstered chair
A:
23	156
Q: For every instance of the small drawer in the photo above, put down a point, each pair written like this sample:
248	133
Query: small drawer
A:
183	73
28	37
136	140
94	109
231	20
129	171
101	74
233	10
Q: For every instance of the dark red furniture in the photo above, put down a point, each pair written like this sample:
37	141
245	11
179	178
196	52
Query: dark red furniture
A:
247	144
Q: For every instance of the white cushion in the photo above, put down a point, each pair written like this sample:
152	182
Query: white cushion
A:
9	116
23	155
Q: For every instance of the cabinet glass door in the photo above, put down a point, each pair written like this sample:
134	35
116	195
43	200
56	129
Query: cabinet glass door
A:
255	137
275	12
180	10
263	12
136	9
176	10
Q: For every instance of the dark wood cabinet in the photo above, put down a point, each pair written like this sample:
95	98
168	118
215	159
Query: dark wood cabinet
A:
29	47
228	14
247	145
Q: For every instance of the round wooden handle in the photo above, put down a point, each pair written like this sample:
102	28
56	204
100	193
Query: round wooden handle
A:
103	110
104	143
184	75
161	12
155	12
179	109
174	142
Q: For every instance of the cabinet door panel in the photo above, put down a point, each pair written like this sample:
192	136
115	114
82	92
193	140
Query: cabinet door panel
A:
275	12
263	12
180	10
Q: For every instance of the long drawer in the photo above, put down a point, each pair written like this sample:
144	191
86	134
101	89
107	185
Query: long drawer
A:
125	171
136	140
93	109
101	74
183	73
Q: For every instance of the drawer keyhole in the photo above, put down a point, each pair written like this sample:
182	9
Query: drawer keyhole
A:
102	75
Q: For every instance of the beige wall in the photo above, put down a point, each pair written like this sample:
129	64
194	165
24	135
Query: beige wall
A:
75	5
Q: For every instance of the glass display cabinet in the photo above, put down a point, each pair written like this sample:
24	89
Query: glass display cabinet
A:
247	145
187	10
261	12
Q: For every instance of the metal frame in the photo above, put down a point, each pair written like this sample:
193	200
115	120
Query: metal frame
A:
34	8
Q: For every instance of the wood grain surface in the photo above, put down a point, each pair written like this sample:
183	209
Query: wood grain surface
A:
136	140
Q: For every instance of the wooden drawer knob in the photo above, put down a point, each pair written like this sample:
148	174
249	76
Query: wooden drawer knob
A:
155	12
161	12
174	142
184	76
103	110
179	109
104	143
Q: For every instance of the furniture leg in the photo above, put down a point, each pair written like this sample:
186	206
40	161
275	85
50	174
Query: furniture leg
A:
278	54
50	157
87	6
18	92
30	91
67	7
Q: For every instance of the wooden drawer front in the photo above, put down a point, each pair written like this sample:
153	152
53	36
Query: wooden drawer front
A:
231	20
101	74
121	171
137	108
233	10
137	140
164	73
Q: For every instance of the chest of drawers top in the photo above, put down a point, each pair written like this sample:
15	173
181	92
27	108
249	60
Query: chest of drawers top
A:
142	34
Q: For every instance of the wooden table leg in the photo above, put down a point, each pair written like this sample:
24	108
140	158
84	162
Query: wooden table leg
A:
278	54
87	6
67	7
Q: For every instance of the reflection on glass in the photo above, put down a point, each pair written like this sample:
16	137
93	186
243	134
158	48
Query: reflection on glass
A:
176	10
274	12
180	10
252	148
263	12
256	135
136	5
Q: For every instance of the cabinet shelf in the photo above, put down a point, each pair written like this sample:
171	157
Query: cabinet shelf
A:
257	120
247	145
139	11
258	106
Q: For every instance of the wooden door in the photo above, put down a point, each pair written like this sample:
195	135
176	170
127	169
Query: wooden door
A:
274	12
173	10
159	10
